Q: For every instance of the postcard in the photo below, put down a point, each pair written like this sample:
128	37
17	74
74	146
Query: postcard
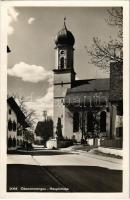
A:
64	99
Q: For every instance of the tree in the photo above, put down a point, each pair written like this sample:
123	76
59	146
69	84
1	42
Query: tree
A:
59	129
45	129
29	114
103	53
28	136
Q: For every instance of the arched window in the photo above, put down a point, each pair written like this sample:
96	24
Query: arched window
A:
14	126
10	125
90	122
75	122
103	121
62	63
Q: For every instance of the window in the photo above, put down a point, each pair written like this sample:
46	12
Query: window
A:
62	63
10	142
103	121
75	122
61	52
9	111
90	122
10	125
14	142
14	126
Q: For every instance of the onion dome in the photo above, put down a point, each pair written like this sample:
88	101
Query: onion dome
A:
64	37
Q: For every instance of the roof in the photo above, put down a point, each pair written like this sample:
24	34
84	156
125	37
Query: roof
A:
91	85
86	89
20	115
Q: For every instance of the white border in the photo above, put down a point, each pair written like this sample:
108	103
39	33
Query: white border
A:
3	95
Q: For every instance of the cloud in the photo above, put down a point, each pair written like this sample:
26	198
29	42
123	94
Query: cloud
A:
41	104
30	73
12	17
30	20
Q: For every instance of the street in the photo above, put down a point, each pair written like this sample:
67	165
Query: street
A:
63	171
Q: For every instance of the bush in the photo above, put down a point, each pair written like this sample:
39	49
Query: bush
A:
65	143
73	139
82	141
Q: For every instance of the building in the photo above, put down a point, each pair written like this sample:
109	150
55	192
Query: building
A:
16	124
83	107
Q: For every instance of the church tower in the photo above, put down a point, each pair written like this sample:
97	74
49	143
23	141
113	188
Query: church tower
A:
64	74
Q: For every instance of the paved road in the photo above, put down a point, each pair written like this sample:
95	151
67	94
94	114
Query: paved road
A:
56	157
64	171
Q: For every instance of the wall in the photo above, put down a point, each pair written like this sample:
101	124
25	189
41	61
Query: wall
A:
12	133
58	113
68	55
60	90
59	94
50	144
67	123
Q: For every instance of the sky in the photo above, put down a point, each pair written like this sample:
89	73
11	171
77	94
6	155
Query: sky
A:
31	35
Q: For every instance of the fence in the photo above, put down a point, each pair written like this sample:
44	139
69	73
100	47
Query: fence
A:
115	143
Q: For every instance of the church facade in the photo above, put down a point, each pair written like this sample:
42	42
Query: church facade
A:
81	107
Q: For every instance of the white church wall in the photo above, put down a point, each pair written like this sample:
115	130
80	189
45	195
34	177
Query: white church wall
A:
58	113
56	58
67	123
65	77
60	91
59	94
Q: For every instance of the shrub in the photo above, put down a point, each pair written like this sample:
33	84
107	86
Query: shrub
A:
65	143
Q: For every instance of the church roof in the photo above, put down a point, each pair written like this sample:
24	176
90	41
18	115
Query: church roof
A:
64	37
90	85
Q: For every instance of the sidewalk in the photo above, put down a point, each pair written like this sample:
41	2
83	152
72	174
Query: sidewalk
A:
94	153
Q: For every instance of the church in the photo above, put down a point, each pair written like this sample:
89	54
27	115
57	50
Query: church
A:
83	107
